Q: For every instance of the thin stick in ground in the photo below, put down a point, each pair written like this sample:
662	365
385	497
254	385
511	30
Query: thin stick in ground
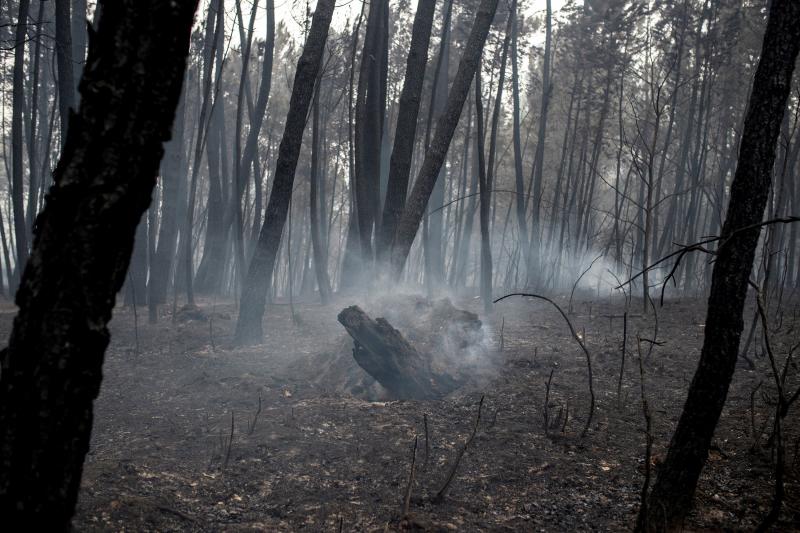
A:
252	426
230	445
427	443
546	410
443	491
577	339
407	499
624	346
648	444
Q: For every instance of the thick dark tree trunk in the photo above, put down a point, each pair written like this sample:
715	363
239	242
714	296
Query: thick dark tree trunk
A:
670	500
370	111
405	132
445	128
51	370
259	273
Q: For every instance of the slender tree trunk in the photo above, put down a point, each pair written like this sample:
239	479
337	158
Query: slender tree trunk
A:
534	246
351	262
173	177
671	497
52	368
432	223
239	179
66	68
405	131
18	172
259	274
209	51
370	111
435	156
320	254
483	185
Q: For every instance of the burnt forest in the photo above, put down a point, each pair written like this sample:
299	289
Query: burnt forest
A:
399	265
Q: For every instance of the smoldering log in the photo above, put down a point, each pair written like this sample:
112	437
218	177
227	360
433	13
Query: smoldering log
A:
387	356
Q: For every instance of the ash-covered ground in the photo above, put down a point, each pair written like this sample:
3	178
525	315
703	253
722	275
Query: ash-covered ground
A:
192	434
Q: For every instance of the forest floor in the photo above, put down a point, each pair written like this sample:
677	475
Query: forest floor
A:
310	452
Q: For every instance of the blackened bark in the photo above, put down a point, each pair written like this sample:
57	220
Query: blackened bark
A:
387	356
51	370
370	110
445	128
483	188
259	273
672	494
405	131
519	182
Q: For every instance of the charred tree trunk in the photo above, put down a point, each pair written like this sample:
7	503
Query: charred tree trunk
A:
51	370
389	358
259	273
316	208
405	132
534	246
484	209
445	128
670	500
370	110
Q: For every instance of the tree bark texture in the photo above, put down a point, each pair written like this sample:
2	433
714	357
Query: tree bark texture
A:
671	497
259	273
389	358
51	370
445	128
405	132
